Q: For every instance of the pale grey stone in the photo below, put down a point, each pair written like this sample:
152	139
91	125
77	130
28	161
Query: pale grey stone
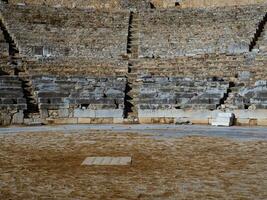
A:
107	161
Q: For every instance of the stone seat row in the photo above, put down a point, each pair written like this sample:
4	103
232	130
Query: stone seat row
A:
11	93
77	67
255	95
214	13
228	67
180	93
78	92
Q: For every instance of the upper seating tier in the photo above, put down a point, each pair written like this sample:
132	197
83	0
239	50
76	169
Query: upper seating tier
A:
41	31
171	33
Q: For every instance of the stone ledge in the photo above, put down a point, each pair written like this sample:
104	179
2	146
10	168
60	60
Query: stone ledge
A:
104	120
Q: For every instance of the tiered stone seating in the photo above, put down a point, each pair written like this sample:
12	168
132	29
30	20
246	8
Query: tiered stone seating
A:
230	68
169	99
239	71
188	63
41	31
77	67
12	102
79	97
181	93
171	33
255	97
96	4
216	3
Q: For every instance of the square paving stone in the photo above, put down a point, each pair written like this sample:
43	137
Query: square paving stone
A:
107	161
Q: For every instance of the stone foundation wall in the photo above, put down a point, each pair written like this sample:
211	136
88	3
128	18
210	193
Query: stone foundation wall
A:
243	117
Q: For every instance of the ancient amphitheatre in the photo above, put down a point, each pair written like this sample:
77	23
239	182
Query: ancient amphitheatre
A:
142	79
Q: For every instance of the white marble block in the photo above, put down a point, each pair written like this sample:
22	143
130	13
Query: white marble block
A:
224	119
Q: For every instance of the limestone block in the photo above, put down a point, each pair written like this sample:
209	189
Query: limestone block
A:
85	113
244	75
145	120
102	120
84	120
118	120
251	114
100	161
262	122
224	119
242	122
199	121
5	118
63	113
18	117
44	113
62	121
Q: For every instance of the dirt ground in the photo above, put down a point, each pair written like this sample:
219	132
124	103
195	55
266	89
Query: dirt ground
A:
48	166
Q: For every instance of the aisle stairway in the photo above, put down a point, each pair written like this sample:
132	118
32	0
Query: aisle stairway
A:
260	32
31	114
131	109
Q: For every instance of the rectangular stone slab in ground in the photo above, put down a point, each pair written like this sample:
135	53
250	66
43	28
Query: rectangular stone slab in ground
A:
93	161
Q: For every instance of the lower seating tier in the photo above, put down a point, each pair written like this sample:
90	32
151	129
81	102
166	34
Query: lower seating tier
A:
181	93
79	96
12	101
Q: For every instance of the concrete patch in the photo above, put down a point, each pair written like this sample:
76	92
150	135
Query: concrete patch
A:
107	161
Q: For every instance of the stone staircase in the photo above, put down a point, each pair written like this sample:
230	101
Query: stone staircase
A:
132	98
14	58
233	100
31	114
260	33
261	46
133	36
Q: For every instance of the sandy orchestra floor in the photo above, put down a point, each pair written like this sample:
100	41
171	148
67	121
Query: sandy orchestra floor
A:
48	166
